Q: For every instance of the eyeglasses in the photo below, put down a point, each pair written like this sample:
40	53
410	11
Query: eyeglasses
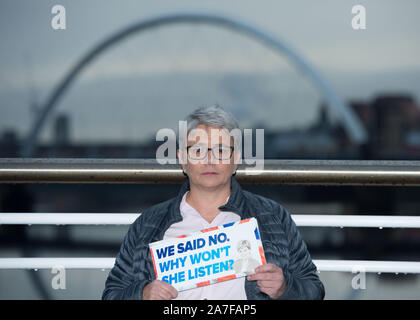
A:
199	152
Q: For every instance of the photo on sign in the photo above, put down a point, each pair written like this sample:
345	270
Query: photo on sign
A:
245	262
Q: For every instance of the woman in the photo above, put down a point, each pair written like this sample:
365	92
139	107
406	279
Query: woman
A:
211	196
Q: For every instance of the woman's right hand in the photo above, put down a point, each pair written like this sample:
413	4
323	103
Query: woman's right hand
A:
159	290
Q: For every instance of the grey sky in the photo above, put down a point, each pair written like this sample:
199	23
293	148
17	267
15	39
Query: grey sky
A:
360	64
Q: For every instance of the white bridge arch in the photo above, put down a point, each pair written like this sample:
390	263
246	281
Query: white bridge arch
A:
351	123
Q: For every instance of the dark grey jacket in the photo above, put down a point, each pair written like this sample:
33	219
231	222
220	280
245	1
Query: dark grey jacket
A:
282	242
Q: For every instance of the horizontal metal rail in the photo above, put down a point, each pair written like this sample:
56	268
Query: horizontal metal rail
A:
49	263
302	220
108	263
313	172
68	218
368	266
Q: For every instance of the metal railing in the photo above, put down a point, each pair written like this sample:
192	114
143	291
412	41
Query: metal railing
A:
312	172
301	220
308	172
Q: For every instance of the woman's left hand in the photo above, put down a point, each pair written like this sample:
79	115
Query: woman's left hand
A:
270	280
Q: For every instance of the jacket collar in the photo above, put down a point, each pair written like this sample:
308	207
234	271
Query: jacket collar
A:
234	204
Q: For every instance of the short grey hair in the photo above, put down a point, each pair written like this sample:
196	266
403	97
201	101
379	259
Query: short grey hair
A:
211	116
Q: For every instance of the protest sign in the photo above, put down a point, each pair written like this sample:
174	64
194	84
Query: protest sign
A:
209	256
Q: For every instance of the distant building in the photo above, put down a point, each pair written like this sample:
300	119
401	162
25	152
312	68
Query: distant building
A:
320	140
9	144
392	123
61	130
